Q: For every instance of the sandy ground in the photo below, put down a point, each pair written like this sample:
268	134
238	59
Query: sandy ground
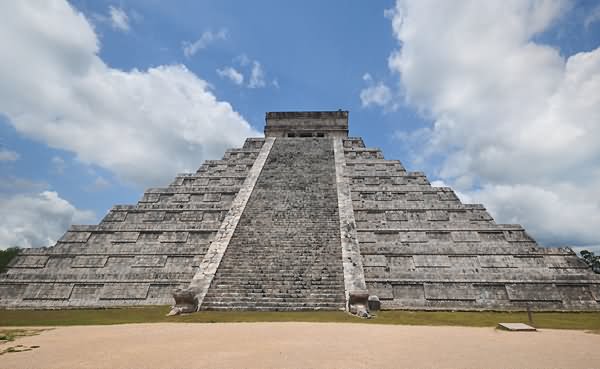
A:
302	345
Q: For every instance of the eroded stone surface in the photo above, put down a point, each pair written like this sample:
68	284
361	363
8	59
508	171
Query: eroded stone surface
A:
285	253
324	218
212	259
423	249
139	253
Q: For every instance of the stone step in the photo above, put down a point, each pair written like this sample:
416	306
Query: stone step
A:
233	288
277	293
285	277
277	284
301	265
269	299
293	265
275	289
211	305
271	308
285	253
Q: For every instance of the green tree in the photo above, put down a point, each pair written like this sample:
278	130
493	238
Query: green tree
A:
592	260
6	256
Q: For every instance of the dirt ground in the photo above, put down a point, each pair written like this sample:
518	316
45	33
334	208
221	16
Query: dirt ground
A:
301	345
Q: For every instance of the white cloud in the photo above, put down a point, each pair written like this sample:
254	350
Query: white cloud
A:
100	183
119	19
242	59
36	220
257	76
207	38
144	126
232	74
58	164
592	17
8	155
515	122
255	70
550	213
377	94
13	185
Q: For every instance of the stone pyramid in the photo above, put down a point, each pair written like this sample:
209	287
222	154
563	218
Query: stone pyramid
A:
305	218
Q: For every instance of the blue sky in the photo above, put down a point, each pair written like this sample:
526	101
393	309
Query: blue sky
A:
106	98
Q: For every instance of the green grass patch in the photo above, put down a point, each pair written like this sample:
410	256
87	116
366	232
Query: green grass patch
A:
588	321
156	314
9	335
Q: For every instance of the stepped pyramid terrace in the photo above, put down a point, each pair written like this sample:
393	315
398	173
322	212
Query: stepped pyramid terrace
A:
305	218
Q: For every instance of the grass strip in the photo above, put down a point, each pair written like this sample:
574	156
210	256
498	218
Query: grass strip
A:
156	314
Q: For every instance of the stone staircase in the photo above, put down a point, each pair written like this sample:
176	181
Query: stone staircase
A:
261	229
285	253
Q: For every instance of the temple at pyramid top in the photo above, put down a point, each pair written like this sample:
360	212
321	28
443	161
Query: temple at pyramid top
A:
307	124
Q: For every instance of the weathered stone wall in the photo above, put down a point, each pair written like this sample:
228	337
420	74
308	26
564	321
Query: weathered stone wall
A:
423	249
297	233
307	124
285	253
139	253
